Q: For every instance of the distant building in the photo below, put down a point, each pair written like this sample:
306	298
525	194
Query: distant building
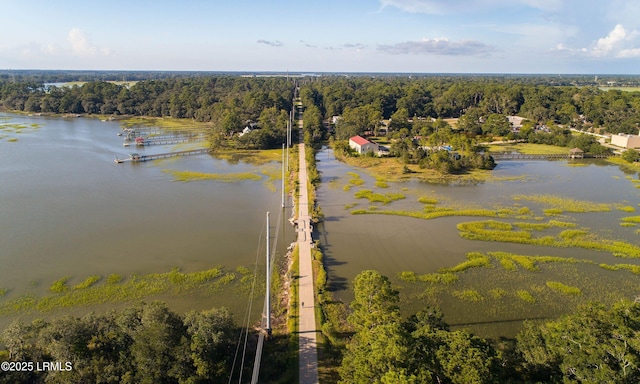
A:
626	141
362	145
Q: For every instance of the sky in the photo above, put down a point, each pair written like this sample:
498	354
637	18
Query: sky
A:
406	36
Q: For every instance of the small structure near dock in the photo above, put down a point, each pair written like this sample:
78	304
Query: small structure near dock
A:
576	153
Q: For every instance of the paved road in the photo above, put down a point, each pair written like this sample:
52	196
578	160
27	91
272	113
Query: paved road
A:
306	298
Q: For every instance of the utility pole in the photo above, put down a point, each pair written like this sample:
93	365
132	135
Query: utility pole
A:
268	298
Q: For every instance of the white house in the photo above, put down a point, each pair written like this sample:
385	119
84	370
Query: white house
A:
625	141
362	145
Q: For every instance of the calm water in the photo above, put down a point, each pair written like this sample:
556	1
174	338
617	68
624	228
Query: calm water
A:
392	244
67	209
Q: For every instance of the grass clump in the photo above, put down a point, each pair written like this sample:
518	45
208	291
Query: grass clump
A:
427	200
445	278
635	269
3	291
187	176
60	286
381	183
373	197
627	208
564	289
475	260
559	203
525	296
468	295
114	278
498	293
631	219
88	282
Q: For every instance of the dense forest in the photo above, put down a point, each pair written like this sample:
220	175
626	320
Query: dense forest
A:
362	101
412	106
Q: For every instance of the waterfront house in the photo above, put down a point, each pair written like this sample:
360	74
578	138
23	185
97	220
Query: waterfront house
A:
626	141
362	145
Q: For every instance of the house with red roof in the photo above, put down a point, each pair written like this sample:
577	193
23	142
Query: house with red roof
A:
362	145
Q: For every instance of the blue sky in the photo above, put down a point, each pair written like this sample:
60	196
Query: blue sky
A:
431	36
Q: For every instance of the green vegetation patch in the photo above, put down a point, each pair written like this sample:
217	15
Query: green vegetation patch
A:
492	230
88	282
631	219
355	180
381	183
116	289
564	289
384	198
626	208
468	295
563	204
188	176
427	200
635	269
525	296
475	260
430	212
60	285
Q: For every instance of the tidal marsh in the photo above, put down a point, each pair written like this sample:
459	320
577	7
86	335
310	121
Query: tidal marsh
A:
117	289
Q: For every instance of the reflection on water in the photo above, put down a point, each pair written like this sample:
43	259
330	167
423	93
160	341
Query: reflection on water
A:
69	210
393	244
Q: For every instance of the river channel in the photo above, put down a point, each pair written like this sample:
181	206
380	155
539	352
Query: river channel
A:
67	209
394	244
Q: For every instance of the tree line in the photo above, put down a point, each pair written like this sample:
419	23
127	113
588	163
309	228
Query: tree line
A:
593	345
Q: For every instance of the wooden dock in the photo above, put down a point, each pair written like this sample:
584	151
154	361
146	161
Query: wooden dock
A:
165	141
500	156
138	158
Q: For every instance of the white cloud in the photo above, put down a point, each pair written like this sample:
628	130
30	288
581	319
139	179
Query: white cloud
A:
619	43
438	46
81	47
448	6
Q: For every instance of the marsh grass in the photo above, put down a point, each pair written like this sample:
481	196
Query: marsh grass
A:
470	295
427	200
445	278
491	230
88	282
498	293
381	182
114	278
563	204
116	289
164	123
374	197
430	212
355	180
474	260
564	289
188	176
635	269
525	296
626	208
60	286
631	219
